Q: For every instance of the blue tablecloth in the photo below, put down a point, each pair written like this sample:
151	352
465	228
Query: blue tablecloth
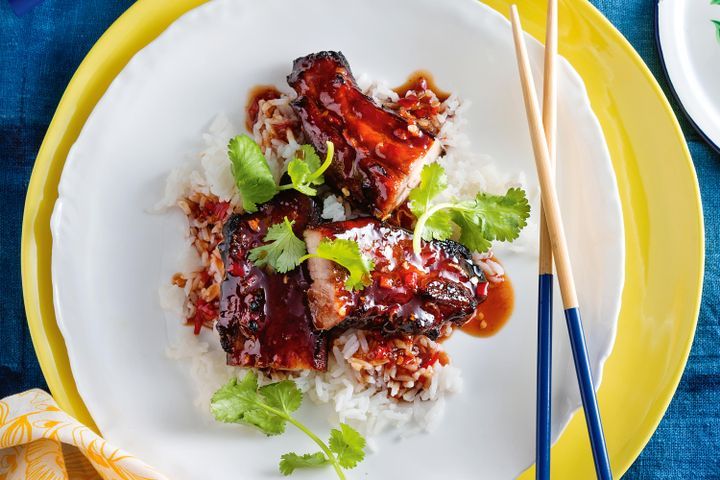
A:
39	53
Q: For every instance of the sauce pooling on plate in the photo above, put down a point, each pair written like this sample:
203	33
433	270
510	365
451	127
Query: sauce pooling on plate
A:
491	315
260	92
419	81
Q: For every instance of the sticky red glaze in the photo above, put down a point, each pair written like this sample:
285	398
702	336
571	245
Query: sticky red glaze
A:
408	293
493	314
376	151
264	318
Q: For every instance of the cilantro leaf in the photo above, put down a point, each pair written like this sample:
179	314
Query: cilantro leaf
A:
438	227
233	399
433	181
282	395
299	172
468	223
307	172
479	221
284	250
491	217
292	461
347	254
503	216
267	422
252	173
348	445
310	157
269	408
239	402
717	28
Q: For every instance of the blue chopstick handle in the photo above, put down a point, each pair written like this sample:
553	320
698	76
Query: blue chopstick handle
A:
587	392
544	377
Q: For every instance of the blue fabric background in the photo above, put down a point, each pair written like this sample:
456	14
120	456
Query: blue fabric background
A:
39	53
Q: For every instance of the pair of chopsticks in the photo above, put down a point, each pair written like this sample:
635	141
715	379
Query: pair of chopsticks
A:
554	244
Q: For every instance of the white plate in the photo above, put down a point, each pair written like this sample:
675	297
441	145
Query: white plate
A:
109	255
689	42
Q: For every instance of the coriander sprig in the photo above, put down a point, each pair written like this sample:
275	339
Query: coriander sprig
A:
252	174
255	181
285	251
479	221
347	254
307	171
269	408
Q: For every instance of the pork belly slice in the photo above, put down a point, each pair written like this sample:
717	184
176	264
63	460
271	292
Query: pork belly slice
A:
265	319
408	294
378	154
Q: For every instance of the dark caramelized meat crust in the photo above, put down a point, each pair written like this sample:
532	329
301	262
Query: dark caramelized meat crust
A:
408	294
378	154
264	319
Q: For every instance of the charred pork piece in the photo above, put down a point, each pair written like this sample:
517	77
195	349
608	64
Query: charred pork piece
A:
265	320
408	294
378	154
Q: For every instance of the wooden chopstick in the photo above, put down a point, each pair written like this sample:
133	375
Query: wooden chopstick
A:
543	409
560	252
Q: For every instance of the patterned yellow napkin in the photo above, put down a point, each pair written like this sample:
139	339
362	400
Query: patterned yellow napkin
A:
38	441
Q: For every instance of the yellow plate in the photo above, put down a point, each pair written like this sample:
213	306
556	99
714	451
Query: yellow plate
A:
658	189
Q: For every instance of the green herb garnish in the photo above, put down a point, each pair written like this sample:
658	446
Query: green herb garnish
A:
347	254
432	182
254	178
480	221
307	172
717	29
292	461
285	251
348	445
269	409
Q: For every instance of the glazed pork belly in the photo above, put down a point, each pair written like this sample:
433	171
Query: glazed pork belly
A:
378	154
409	294
265	320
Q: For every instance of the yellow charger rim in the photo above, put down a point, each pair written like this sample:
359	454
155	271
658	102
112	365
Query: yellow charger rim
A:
658	188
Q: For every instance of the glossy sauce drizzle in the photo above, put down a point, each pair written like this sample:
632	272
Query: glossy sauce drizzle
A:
493	313
421	80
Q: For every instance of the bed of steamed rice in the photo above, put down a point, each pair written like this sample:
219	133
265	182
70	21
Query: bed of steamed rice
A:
363	395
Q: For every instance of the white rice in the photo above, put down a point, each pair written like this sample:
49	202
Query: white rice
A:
209	172
334	209
370	408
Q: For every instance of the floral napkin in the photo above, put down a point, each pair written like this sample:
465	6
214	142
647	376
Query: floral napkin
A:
38	441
